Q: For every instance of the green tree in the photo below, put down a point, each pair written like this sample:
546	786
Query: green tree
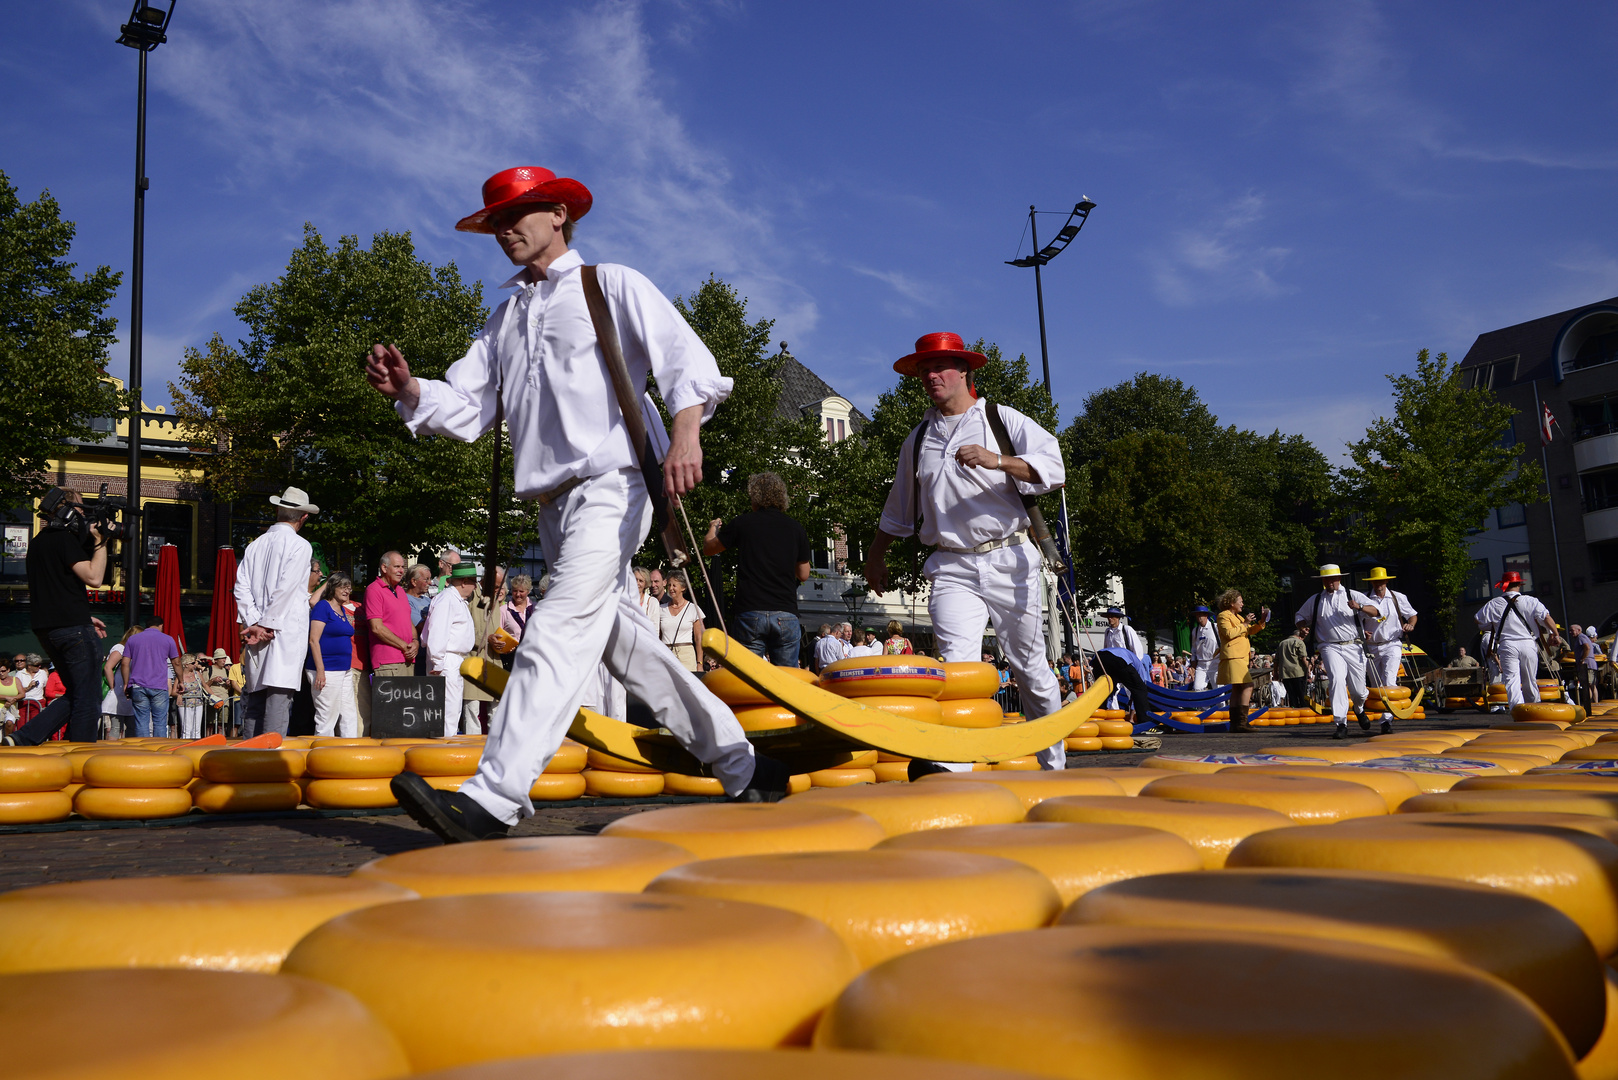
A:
54	334
290	405
1426	476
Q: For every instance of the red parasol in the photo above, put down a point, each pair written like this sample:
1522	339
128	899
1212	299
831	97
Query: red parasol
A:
222	623
166	603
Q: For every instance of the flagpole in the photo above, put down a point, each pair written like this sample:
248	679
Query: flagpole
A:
1545	466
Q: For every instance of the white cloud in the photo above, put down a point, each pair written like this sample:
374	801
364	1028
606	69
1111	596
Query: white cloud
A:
1218	260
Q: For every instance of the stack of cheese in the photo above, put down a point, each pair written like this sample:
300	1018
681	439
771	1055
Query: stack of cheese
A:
134	785
240	781
1550	690
1107	729
915	687
614	778
33	787
447	764
1497	694
353	777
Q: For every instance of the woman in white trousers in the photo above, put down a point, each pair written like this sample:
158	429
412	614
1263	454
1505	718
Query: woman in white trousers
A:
331	651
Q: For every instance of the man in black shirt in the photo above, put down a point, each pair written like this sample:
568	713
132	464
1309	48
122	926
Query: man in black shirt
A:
68	556
772	557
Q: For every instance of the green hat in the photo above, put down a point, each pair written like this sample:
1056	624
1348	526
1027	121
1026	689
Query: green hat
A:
462	570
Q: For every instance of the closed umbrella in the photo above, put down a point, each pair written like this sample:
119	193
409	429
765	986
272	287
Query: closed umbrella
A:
166	604
222	622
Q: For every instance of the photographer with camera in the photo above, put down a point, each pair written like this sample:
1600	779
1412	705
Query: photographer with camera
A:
68	556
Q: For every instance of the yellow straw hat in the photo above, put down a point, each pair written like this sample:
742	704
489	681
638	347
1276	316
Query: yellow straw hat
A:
1330	569
1379	573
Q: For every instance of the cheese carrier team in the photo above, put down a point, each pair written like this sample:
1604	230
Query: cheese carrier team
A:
1332	616
1514	622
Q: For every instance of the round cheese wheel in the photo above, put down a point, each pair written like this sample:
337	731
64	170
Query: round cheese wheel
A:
1363	752
1033	788
213	798
1393	787
354	762
447	783
267	1027
1117	742
1090	729
965	679
791	1064
1075	858
1565	780
1454	738
445	759
551	972
841	777
911	708
622	785
618	864
1085	745
351	793
227	922
799	782
730	689
557	787
1510	763
1464	767
1307	801
137	771
1214	829
1212	763
881	903
1179	1003
131	804
970	713
1604	827
405	742
230	766
1464	800
1601	1063
607	763
337	740
902	809
719	830
1598	752
888	772
680	784
1018	764
1560	739
34	772
1114	727
1562	768
570	757
1525	943
1572	871
1426	780
34	807
882	676
1531	711
1129	777
767	718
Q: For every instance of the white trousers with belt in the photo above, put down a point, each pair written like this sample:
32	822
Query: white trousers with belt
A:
590	616
1385	657
1519	669
1206	674
1001	587
454	690
1345	671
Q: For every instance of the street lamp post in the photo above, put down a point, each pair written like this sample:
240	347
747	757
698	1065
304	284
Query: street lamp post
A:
146	29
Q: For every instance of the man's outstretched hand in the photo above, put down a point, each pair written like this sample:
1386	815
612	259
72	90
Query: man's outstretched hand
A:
387	371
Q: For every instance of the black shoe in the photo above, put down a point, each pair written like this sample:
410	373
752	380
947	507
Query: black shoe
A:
770	783
1365	721
1387	727
920	767
454	818
1339	731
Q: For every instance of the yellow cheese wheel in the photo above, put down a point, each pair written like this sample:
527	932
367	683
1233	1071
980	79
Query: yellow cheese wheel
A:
891	771
1075	858
717	830
447	783
552	972
841	777
1511	763
1090	729
1572	871
1082	745
607	763
404	742
1180	1003
1018	764
618	864
1464	767
34	807
1426	780
1033	788
227	922
355	762
680	784
732	690
137	771
259	1027
445	759
1525	943
924	709
767	718
965	679
1454	738
970	713
131	804
337	740
884	676
907	808
1307	801
1412	746
622	785
34	772
351	793
1393	787
557	787
1212	763
1599	752
1117	742
1527	800
1326	753
1601	1063
1114	727
1545	780
1530	711
1214	829
790	1064
1560	739
230	766
245	798
1129	777
881	903
1604	827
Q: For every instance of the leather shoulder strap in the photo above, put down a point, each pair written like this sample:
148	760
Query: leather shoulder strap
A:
915	473
628	399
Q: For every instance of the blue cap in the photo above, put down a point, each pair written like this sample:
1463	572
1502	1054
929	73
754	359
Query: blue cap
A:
1201	609
1112	611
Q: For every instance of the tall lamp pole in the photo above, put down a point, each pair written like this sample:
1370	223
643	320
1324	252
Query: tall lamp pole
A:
146	29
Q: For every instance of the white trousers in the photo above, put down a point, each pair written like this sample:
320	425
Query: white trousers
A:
1206	675
1519	669
454	690
471	718
190	721
1345	670
1001	587
336	712
589	616
1385	662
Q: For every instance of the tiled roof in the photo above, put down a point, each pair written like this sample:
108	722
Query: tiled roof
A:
801	387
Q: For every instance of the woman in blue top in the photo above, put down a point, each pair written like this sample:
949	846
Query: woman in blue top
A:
331	651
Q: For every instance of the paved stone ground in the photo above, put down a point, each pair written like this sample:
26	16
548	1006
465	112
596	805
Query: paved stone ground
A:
338	845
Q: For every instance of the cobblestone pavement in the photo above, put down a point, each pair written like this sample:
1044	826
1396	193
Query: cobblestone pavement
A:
338	845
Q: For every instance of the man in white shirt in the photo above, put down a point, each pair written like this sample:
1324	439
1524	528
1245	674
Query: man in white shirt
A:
1332	615
1514	622
1120	635
272	605
538	356
451	635
828	647
1395	619
1204	650
964	499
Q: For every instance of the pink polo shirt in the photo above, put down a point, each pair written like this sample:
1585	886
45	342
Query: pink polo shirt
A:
392	606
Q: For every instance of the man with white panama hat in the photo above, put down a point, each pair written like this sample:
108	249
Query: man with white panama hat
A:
1204	650
272	606
1332	615
1515	622
1395	618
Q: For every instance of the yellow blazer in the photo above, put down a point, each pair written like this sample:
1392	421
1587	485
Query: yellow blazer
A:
1233	634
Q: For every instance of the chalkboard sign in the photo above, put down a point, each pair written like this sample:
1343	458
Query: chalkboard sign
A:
407	706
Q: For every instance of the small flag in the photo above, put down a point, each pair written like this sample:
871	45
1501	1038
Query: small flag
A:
1547	421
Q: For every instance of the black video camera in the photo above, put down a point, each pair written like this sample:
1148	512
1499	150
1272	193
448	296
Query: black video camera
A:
104	512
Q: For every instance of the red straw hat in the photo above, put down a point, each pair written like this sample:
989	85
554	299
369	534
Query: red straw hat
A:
525	184
1510	577
934	346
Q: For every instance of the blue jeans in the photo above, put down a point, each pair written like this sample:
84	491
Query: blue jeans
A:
76	652
774	634
151	711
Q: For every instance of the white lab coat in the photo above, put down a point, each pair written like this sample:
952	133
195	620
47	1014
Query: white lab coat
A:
450	637
272	591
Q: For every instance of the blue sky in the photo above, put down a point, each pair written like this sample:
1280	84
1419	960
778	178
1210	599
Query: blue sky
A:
1292	198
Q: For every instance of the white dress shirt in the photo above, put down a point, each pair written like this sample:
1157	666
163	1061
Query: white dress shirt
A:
829	650
1396	611
272	591
964	506
559	403
1124	636
449	631
1204	644
1492	616
1336	622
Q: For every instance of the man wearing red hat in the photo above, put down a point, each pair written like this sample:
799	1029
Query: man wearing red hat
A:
1515	622
540	360
954	493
